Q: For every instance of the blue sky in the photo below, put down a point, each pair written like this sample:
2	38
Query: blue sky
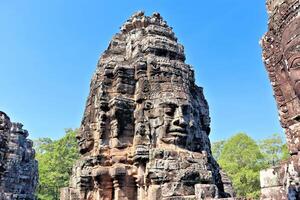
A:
49	51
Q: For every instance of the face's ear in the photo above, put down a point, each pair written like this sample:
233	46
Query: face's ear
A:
282	71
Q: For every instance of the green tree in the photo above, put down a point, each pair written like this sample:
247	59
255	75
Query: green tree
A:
273	149
242	160
43	145
217	148
285	152
56	159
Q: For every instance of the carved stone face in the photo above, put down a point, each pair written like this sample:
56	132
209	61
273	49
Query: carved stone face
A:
173	120
85	140
291	47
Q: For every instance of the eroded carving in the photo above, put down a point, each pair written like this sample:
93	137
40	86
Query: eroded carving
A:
18	168
144	134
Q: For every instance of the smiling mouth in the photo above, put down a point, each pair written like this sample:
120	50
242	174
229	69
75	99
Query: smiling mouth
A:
178	132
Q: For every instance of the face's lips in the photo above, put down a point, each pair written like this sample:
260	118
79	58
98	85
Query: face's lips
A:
182	130
178	131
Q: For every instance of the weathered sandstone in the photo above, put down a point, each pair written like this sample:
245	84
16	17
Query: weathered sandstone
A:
145	130
18	168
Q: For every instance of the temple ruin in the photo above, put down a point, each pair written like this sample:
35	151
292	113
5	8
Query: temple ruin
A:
18	168
281	55
145	130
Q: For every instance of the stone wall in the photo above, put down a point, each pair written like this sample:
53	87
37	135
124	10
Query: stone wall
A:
145	130
18	168
281	55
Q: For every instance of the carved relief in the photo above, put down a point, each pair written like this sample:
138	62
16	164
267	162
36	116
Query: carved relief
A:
18	168
291	53
144	134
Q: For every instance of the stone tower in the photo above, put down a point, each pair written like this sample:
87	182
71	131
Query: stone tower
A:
144	133
281	55
18	168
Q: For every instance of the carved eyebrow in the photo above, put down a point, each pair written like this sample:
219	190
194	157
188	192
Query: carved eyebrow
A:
293	49
294	60
292	38
165	104
186	108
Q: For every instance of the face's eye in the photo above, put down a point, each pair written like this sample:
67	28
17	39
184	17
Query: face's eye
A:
169	111
295	64
186	109
169	108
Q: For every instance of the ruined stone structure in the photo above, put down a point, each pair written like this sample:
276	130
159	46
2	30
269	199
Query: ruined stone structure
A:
144	134
281	54
18	168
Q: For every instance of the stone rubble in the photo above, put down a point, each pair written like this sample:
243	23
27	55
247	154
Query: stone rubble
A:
145	130
281	55
18	168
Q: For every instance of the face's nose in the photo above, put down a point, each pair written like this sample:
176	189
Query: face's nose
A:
180	122
179	118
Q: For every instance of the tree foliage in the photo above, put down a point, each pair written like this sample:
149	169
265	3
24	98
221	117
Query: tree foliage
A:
56	158
242	158
285	152
217	148
273	149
